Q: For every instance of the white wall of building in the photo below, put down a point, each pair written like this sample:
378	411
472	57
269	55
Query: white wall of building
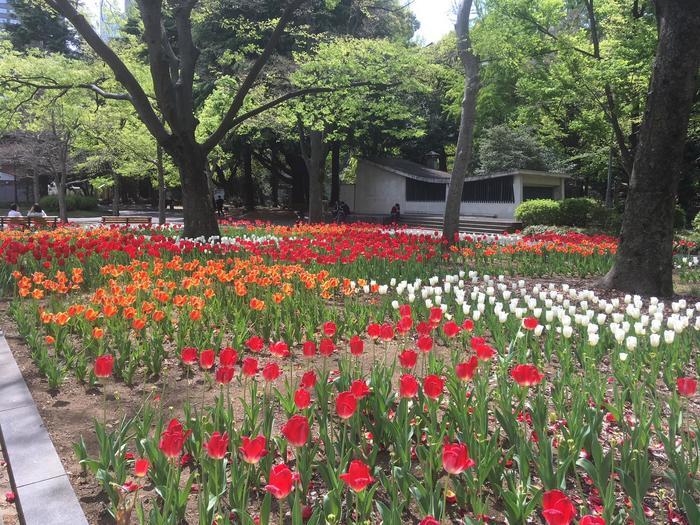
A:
377	190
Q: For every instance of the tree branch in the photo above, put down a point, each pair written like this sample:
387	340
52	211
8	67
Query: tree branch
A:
123	75
227	122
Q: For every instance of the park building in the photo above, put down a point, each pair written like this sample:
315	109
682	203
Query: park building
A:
380	183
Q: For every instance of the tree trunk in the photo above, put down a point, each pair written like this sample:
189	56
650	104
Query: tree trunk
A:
161	185
248	178
116	194
335	172
61	195
315	158
36	186
463	153
198	209
274	176
644	261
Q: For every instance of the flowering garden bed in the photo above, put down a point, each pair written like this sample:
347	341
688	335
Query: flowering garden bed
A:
337	374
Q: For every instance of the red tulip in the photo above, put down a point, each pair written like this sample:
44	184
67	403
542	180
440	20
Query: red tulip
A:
189	355
279	349
228	356
296	431
455	458
141	467
687	386
557	508
224	375
308	380
451	329
250	366
465	371
326	347
373	330
432	386
435	316
271	372
253	450
302	398
386	332
357	346
468	325
405	310
217	446
404	325
358	476
425	343
255	343
408	386
408	358
309	349
424	328
429	520
359	389
329	328
345	404
173	439
526	375
10	496
485	352
281	481
206	358
104	365
591	520
530	323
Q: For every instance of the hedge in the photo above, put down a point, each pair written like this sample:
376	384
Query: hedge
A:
73	202
539	211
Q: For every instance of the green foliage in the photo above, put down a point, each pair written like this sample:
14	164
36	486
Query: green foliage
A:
73	202
539	211
696	223
578	212
40	27
504	148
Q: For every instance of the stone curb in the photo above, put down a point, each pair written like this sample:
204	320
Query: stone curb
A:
41	485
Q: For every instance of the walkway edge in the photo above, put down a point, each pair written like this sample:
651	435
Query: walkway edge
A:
44	495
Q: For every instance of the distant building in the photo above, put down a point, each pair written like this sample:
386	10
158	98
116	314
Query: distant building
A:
7	14
418	189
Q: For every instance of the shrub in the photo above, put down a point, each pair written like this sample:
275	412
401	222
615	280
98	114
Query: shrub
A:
696	223
539	211
73	202
577	212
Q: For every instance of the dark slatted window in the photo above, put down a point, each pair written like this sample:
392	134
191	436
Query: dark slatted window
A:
419	191
489	190
537	192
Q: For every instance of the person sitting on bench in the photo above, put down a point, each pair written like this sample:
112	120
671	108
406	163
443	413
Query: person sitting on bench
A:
36	211
14	212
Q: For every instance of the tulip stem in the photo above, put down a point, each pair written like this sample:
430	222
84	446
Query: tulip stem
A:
444	499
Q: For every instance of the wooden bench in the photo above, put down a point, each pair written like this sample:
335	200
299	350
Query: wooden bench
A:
128	220
28	222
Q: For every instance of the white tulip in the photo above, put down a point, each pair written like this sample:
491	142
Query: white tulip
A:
622	356
593	339
631	343
428	303
538	330
567	331
476	315
654	340
395	305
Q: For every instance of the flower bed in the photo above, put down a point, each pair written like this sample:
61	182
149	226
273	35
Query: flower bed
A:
340	374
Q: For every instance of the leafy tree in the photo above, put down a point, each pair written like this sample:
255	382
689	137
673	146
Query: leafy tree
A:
644	260
40	28
503	148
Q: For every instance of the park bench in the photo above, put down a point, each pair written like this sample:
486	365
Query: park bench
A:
128	220
28	222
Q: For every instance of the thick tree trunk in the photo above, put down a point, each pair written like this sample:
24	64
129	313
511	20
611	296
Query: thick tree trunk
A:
161	185
463	154
198	209
116	194
644	260
335	172
315	164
